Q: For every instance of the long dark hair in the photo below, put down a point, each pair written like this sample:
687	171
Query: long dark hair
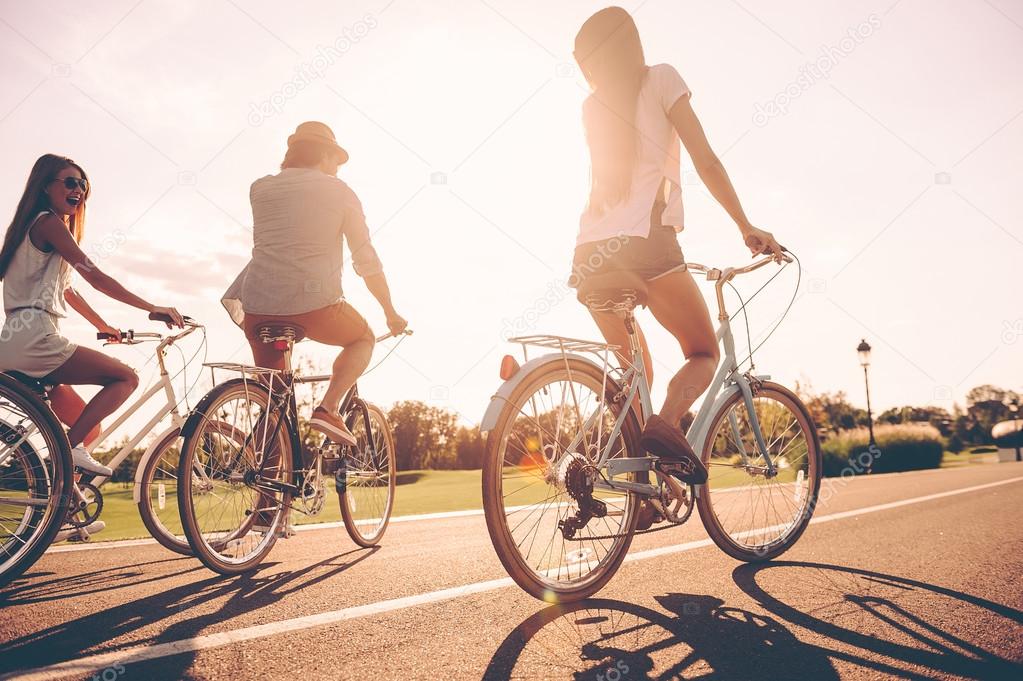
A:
610	55
34	200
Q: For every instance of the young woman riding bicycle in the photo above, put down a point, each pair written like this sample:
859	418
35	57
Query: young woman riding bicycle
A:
40	251
634	120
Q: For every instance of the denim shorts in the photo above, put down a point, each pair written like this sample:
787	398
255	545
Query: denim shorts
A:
648	257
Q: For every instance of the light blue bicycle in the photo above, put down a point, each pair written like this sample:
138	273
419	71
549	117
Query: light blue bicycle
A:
566	484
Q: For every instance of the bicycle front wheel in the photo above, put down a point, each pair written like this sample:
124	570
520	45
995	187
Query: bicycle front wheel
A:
370	477
548	438
35	478
233	466
158	496
752	513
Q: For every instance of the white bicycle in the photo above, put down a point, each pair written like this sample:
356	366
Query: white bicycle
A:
566	482
42	502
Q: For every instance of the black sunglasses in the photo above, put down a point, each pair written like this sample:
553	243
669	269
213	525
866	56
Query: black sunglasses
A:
72	182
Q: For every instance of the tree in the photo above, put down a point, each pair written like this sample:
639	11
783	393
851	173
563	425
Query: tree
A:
986	405
831	411
469	448
936	416
425	436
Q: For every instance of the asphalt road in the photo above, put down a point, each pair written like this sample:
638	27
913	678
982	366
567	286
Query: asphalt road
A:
913	575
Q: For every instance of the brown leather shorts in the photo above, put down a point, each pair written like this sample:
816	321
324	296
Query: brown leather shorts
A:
338	324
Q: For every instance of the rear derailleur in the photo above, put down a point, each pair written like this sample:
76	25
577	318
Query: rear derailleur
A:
577	476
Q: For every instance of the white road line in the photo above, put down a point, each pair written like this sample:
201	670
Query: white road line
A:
126	656
298	528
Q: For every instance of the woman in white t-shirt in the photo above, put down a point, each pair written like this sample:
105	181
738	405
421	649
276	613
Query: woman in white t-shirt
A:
634	120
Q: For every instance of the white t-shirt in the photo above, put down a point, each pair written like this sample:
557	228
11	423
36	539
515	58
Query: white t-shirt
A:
657	159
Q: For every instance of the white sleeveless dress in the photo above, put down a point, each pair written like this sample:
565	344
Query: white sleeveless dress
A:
30	341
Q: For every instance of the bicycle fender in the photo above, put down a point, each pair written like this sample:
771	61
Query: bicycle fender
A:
136	493
504	393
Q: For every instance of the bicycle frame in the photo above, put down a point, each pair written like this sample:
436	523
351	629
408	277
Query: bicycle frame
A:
726	382
284	406
170	407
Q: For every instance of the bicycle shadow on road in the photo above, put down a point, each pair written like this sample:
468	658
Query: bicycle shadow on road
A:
695	635
887	623
187	608
28	589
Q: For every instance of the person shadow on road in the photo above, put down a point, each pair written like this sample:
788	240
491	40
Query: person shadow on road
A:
694	635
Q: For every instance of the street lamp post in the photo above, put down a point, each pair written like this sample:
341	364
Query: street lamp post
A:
863	349
1014	410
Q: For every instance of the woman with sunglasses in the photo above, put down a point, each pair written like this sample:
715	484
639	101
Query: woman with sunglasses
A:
40	251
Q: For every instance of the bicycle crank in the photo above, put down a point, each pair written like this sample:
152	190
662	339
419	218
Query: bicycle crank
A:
86	507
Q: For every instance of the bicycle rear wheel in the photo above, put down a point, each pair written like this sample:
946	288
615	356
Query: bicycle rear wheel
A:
36	478
528	470
750	514
233	463
370	477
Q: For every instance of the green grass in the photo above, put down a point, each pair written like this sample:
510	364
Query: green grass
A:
968	457
417	492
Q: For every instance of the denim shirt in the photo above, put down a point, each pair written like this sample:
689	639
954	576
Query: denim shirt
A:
299	220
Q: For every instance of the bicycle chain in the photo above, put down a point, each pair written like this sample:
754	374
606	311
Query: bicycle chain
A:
618	536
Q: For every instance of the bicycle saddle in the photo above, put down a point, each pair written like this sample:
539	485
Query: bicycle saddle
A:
35	384
613	290
268	332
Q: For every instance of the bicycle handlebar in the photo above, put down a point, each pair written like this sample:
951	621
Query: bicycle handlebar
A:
132	337
728	273
406	332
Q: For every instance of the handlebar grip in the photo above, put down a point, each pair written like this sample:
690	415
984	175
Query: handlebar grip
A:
105	336
166	319
406	332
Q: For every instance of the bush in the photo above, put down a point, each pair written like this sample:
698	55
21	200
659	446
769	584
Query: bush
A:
906	447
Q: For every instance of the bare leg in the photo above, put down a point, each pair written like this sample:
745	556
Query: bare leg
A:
68	406
612	327
348	366
90	367
680	308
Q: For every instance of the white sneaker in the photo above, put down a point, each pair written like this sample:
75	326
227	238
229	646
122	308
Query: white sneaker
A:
72	532
82	459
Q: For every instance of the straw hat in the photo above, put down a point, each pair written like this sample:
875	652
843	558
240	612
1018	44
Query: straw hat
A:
314	131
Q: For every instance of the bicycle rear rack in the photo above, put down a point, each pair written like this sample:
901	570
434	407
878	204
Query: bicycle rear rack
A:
563	344
241	368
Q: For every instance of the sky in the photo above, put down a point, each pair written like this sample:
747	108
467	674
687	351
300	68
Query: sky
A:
879	141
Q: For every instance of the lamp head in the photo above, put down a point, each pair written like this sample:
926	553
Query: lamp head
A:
864	351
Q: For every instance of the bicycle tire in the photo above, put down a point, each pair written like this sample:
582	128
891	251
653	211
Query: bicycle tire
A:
705	498
208	425
150	517
350	502
492	479
57	488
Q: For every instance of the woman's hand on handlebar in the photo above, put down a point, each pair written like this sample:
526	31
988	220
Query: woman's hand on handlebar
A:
170	316
761	242
108	333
